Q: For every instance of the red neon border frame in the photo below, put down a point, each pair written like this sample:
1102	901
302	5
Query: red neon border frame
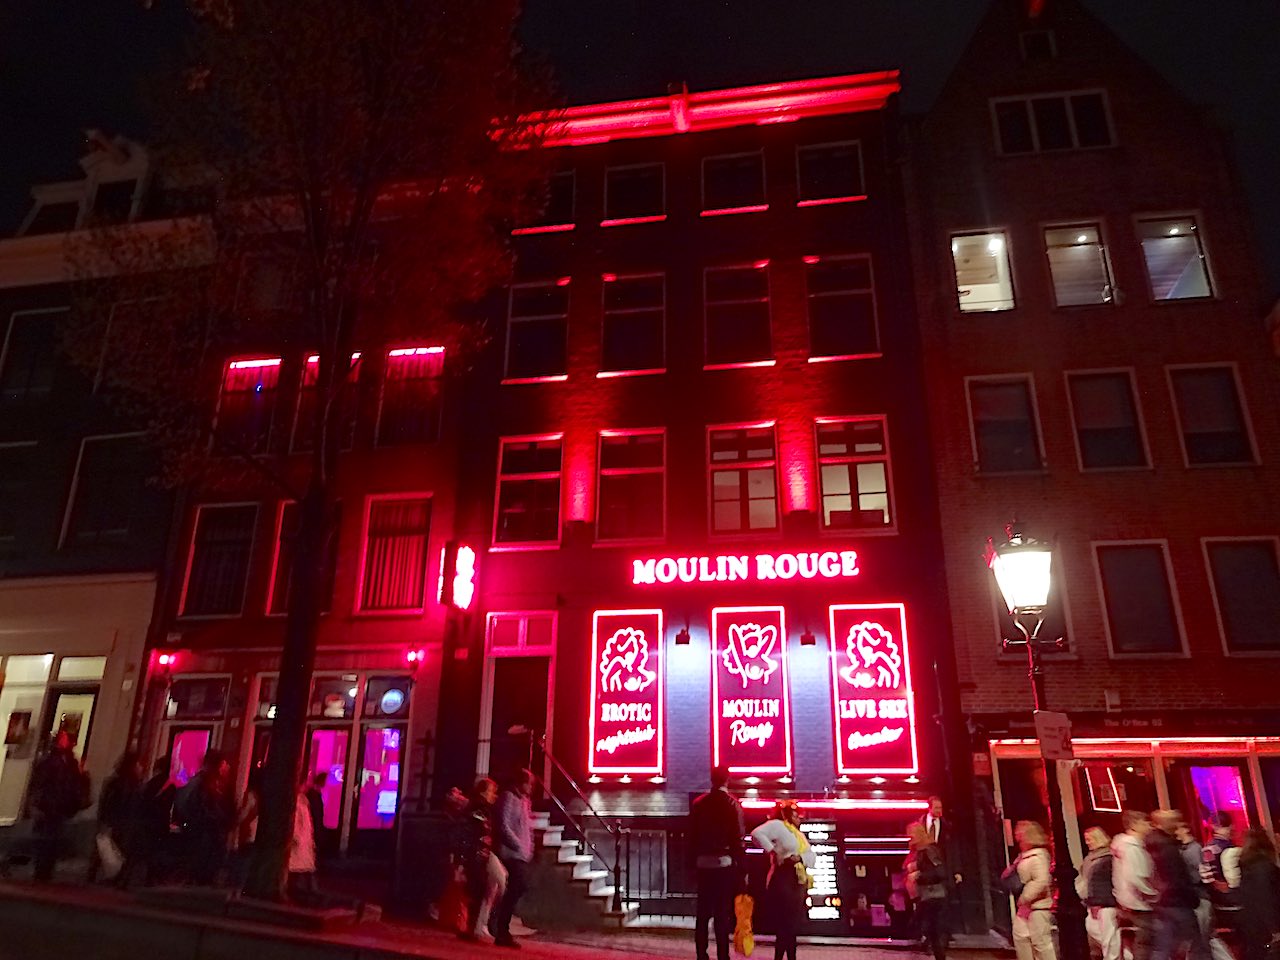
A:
661	701
715	687
835	688
1093	798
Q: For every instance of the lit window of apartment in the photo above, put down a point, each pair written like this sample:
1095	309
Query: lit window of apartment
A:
1174	258
829	173
631	502
304	423
1078	265
733	183
634	194
409	411
736	307
842	308
634	336
853	469
1245	574
1211	415
1037	46
393	576
287	519
537	328
17	461
247	405
106	491
1006	435
984	280
218	563
1056	121
744	483
528	509
1138	597
30	357
558	214
1105	413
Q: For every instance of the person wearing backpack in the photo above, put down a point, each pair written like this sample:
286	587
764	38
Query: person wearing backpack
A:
1102	921
1033	916
1131	878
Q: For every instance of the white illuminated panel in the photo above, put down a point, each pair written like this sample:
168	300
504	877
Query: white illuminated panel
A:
823	900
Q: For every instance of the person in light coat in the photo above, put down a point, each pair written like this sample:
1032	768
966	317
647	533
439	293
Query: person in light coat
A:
1132	876
1033	919
302	851
790	858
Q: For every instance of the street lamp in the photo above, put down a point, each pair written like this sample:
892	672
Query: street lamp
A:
1023	569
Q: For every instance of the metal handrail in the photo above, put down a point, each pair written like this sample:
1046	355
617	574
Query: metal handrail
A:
560	768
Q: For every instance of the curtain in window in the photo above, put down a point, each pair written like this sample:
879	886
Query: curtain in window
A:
395	564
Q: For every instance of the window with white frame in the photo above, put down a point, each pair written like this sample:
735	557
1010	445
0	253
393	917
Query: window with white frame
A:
30	357
1138	597
17	462
1105	413
304	424
409	411
829	173
528	491
1052	121
394	574
218	564
853	472
107	490
632	495
1078	265
247	404
288	516
842	307
634	194
744	479
537	328
558	211
984	279
733	183
736	305
1006	436
1211	415
634	335
1246	588
1173	253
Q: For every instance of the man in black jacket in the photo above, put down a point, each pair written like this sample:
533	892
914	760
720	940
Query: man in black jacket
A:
59	790
1176	893
715	834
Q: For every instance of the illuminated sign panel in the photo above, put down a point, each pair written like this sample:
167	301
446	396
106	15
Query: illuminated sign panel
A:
871	678
757	568
823	895
625	730
750	709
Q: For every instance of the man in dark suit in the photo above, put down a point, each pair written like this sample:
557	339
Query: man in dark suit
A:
939	830
715	835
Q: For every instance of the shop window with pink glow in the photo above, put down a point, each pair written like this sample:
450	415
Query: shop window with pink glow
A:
186	753
750	695
842	308
379	785
635	194
1205	789
287	520
829	173
304	424
528	492
853	470
537	328
733	183
744	481
634	334
632	486
409	411
218	565
246	405
328	755
394	576
737	319
557	215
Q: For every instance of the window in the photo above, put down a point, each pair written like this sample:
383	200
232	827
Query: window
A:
984	281
287	520
1061	121
1138	598
410	408
521	633
1211	416
733	183
54	217
304	424
30	356
1006	438
558	214
218	566
842	308
1037	45
1105	413
744	487
394	574
17	461
853	469
634	194
266	283
247	405
538	319
634	336
632	486
113	201
107	490
1078	264
1174	256
829	173
528	492
1246	590
737	315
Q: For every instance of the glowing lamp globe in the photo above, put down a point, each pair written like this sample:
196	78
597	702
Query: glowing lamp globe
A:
1023	569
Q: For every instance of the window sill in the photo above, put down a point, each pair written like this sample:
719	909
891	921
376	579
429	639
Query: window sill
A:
1252	654
599	544
614	374
747	535
543	228
846	356
889	530
549	378
1141	468
829	201
388	614
1226	464
730	211
199	617
1161	655
739	364
1170	301
984	311
1042	471
523	547
626	221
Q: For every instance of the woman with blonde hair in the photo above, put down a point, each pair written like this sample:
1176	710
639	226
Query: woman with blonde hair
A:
927	881
1033	894
789	861
1102	921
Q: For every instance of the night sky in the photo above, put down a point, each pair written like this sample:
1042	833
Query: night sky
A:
67	64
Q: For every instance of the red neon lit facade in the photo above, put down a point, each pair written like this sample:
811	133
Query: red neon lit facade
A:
871	682
735	567
626	723
750	695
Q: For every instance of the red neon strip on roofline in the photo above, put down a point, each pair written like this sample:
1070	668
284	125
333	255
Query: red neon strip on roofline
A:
548	228
727	211
826	201
620	221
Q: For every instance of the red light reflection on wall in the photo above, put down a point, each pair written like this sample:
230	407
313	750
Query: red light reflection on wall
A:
750	696
625	727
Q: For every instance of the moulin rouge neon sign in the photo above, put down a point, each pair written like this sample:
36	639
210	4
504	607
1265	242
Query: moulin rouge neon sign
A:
750	705
728	568
625	730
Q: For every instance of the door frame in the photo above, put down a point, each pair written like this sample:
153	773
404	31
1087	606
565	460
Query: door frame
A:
522	649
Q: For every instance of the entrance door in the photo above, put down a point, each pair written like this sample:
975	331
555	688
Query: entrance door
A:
186	749
518	697
71	710
327	754
376	793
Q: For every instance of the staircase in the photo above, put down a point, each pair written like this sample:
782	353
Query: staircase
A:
569	889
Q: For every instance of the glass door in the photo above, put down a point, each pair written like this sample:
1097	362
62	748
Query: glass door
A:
186	749
327	759
376	792
71	711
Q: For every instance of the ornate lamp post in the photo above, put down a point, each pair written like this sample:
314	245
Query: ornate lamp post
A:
1023	568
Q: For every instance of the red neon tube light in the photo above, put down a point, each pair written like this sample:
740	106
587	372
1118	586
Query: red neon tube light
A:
624	730
253	364
750	695
827	201
623	221
728	211
546	228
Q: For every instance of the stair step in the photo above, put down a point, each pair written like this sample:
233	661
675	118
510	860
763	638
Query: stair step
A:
591	875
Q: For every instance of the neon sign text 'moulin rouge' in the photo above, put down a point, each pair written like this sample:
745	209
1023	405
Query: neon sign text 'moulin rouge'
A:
760	567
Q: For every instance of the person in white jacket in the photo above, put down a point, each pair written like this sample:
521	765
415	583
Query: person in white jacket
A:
790	858
302	852
1033	919
1131	878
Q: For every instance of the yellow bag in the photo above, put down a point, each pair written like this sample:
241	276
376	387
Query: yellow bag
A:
744	940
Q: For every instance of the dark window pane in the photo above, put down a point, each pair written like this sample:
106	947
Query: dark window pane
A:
1014	126
842	319
1211	416
304	425
830	171
110	486
1037	45
282	576
734	181
16	462
247	405
630	506
1004	427
529	506
1138	599
1106	419
634	315
557	201
737	315
1246	581
29	358
536	330
634	192
631	452
410	411
535	456
220	560
113	202
1090	113
1052	126
54	218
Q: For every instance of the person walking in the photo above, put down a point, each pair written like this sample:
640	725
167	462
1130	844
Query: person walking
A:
486	876
515	850
927	882
1259	896
1220	872
155	817
715	833
59	790
302	852
315	801
1131	879
1176	896
1094	885
206	809
1193	856
119	819
789	861
1033	916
